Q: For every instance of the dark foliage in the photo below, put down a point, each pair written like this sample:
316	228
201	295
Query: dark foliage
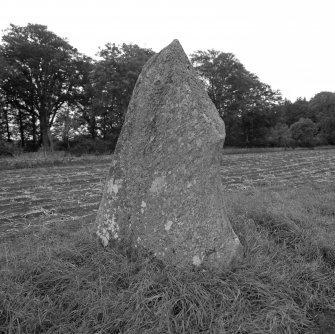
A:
49	91
86	145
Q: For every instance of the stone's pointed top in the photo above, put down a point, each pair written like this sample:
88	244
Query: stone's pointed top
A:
175	42
172	61
172	53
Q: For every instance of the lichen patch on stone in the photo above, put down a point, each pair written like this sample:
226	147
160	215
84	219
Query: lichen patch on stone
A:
104	240
196	260
113	187
168	225
158	184
143	206
103	234
109	229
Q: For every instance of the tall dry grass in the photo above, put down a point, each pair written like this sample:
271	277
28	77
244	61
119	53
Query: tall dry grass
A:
61	280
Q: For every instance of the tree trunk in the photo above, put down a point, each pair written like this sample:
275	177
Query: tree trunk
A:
21	128
45	132
34	131
92	127
5	110
66	129
103	128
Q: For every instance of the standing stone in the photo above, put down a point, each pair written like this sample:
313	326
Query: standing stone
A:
163	191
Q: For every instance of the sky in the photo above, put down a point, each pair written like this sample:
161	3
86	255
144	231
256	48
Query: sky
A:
288	44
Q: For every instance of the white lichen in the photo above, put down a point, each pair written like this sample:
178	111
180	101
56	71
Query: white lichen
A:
103	234
113	187
108	230
159	254
104	240
196	260
158	184
168	225
113	227
143	206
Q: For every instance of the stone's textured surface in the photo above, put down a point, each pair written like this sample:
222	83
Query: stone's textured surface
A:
163	191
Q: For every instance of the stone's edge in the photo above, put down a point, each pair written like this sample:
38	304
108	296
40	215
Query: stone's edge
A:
106	224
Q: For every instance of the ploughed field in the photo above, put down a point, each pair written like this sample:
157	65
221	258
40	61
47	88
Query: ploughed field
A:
32	197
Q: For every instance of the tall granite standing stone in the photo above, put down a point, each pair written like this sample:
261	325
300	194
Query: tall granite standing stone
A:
163	191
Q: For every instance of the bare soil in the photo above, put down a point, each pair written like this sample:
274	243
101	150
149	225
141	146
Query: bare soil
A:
32	197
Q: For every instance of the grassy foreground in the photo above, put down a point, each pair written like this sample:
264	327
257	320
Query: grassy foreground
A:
61	280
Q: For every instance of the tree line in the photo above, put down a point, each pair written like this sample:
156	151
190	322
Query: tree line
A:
53	96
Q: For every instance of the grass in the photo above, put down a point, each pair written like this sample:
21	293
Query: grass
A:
62	158
42	159
61	280
245	150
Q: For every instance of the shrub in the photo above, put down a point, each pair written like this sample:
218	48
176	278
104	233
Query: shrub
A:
84	145
327	126
303	132
280	135
8	149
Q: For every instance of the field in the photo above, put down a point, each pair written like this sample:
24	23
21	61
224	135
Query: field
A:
30	197
281	204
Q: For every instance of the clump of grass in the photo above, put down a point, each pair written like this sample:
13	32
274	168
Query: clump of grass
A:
301	218
62	280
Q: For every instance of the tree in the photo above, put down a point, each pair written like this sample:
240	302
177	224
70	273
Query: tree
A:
303	132
323	107
41	74
280	135
67	126
85	98
292	112
5	133
244	103
113	80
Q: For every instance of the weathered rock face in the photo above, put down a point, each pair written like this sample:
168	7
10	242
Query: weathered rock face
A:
163	191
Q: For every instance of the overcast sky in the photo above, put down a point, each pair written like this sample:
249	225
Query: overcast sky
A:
288	44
